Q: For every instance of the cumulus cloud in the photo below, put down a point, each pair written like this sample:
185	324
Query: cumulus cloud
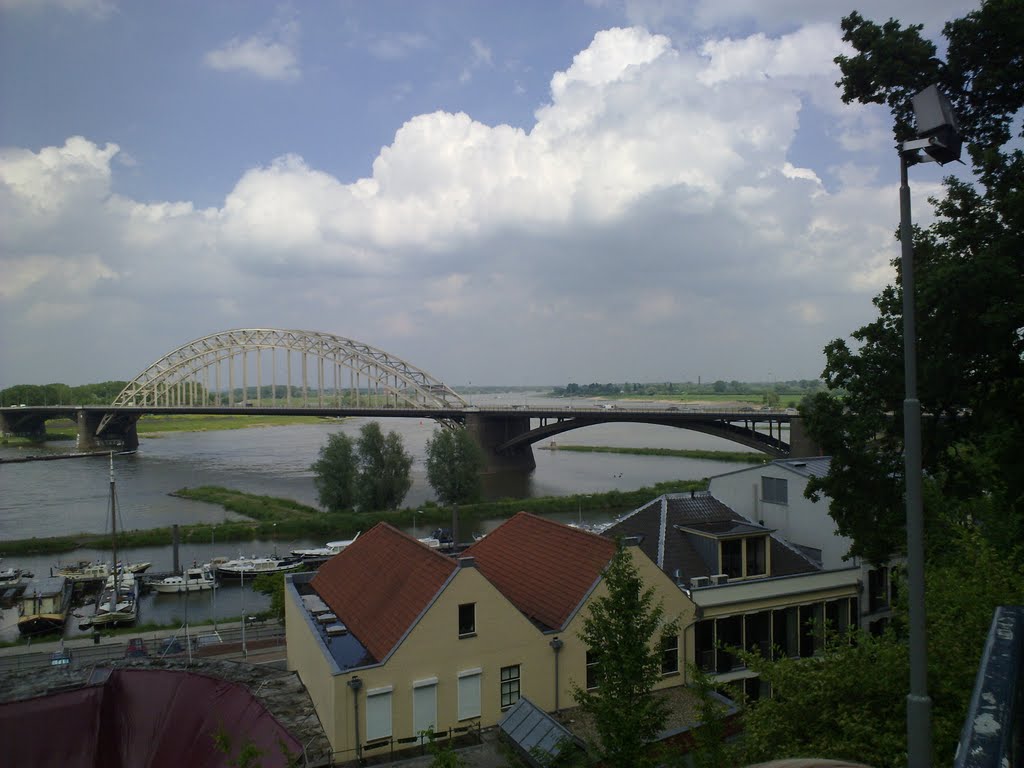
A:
655	192
271	57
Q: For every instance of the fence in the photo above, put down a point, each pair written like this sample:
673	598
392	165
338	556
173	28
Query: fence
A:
386	750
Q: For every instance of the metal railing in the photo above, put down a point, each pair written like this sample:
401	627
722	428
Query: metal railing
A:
993	732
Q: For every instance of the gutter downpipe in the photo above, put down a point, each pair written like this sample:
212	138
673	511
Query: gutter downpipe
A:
355	684
556	646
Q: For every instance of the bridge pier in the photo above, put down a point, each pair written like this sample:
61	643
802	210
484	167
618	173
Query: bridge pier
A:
800	443
120	433
490	431
29	425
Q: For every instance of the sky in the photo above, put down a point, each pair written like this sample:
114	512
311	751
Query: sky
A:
521	193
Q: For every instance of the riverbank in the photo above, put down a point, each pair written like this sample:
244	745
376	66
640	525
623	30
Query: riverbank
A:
270	518
681	453
155	426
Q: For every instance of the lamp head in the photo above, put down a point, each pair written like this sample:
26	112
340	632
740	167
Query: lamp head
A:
937	122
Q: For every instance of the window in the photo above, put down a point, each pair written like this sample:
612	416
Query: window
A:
469	694
786	632
732	558
756	563
704	644
670	655
378	713
424	706
878	589
592	667
509	686
467	619
729	631
757	630
774	490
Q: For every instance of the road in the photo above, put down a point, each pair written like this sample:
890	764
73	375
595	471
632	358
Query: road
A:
264	644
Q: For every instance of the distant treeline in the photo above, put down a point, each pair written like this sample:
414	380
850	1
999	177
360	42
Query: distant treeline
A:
61	394
105	392
682	389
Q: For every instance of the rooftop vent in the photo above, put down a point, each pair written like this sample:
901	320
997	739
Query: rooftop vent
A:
699	581
720	578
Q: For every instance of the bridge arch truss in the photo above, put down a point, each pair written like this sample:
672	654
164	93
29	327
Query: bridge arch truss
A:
301	368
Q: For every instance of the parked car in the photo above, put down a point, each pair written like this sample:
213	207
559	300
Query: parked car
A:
205	641
171	646
136	649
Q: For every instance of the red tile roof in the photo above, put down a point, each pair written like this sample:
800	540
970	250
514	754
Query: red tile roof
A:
380	583
544	568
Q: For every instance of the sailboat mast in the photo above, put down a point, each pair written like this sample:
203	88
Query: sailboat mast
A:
113	533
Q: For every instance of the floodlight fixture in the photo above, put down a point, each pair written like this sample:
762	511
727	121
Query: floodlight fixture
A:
937	128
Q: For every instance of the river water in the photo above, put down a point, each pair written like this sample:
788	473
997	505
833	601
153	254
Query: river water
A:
50	498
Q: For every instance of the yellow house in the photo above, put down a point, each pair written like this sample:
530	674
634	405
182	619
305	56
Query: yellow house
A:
393	639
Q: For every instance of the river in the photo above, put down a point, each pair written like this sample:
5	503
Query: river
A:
48	498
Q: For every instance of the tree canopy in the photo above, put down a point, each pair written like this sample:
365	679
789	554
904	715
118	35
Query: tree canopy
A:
454	462
969	266
383	476
371	472
625	629
829	708
334	473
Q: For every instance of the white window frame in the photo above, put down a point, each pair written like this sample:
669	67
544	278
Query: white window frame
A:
378	713
424	691
469	693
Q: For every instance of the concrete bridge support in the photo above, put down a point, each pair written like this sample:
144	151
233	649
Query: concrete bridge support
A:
490	431
800	443
121	433
32	426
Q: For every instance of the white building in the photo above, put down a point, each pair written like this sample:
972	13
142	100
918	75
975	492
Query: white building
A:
772	495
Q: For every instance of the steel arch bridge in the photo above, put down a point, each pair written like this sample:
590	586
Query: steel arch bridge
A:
302	368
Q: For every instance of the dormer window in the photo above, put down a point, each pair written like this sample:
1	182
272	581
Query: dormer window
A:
743	558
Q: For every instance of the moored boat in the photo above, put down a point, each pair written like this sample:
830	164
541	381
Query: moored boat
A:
118	599
43	606
12	577
195	579
323	553
249	567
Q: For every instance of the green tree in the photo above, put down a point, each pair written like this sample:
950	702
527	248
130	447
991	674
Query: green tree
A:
454	463
384	477
272	584
829	708
625	627
969	266
334	473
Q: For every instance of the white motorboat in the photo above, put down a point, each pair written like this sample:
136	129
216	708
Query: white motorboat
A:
195	579
250	567
323	553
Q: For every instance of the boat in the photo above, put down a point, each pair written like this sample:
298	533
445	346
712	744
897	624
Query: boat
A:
117	601
243	567
86	571
43	606
195	579
323	553
11	577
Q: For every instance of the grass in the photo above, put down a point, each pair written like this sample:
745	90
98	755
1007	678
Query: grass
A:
150	425
154	426
272	518
683	453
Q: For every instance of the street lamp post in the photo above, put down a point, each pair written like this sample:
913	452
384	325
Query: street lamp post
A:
938	140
